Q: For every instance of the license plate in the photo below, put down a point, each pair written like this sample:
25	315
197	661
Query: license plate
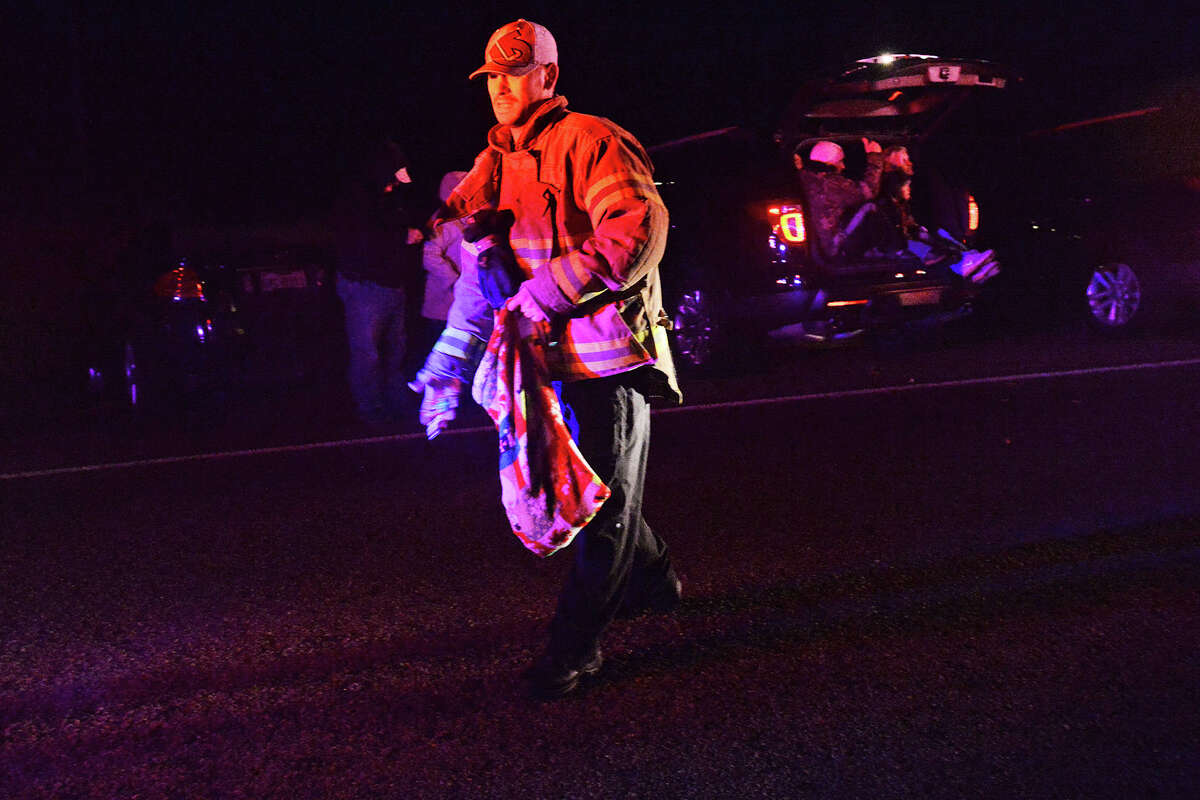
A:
944	74
271	281
924	297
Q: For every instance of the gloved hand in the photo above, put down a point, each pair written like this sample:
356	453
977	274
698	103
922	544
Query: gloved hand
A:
524	302
439	406
499	273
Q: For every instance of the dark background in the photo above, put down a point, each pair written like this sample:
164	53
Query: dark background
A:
204	117
237	112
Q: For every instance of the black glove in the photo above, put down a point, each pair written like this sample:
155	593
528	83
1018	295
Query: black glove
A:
499	273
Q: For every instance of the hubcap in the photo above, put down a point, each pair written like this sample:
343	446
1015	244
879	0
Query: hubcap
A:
1114	295
693	326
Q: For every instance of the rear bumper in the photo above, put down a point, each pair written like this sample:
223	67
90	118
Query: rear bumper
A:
857	304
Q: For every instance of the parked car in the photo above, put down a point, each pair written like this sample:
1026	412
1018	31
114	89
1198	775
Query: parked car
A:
1105	218
741	261
241	315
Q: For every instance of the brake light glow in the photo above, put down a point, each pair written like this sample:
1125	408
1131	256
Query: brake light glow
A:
791	225
972	214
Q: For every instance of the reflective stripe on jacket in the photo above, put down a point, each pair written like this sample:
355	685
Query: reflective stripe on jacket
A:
589	233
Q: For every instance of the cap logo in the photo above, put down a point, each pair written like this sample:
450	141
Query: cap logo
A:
512	48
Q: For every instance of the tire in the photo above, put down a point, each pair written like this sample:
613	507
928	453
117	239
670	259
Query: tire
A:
130	375
1113	298
147	381
697	331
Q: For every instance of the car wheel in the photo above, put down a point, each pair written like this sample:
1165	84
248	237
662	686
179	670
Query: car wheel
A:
1114	297
696	329
131	376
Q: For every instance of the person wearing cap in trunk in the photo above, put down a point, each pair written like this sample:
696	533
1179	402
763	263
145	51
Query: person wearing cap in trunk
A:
833	197
576	214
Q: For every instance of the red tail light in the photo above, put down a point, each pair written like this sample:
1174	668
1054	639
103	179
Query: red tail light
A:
181	283
791	223
972	214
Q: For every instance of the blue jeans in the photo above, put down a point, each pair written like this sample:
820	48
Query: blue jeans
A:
375	332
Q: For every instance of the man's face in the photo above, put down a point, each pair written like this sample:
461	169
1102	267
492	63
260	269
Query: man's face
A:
514	97
899	159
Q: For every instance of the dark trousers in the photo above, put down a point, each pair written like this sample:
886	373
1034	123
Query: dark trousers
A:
616	552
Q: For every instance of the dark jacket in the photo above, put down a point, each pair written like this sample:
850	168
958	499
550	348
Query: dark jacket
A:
371	222
895	207
833	197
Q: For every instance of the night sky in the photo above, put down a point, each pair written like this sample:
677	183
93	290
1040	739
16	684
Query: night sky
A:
241	112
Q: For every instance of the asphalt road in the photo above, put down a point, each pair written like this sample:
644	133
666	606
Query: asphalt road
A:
922	570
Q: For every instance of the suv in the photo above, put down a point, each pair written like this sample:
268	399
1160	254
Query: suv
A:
741	258
1105	219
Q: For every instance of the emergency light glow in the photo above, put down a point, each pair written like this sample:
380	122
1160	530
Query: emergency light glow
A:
179	284
972	214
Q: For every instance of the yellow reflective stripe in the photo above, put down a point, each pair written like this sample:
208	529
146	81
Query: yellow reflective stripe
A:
562	279
530	243
596	347
630	185
451	350
577	277
533	256
603	184
565	241
604	203
459	344
583	366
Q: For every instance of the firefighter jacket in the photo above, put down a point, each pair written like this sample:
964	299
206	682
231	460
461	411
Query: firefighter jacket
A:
588	234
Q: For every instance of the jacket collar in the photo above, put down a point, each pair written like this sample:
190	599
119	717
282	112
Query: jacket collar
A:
482	184
554	109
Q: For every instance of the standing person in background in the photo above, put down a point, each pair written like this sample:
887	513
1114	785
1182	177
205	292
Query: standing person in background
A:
442	258
378	255
582	224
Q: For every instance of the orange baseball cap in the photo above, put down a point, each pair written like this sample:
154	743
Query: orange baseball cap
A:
518	48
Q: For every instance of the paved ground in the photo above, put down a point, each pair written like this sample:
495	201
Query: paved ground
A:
983	590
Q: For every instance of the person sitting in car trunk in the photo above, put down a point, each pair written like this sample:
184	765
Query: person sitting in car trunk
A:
902	232
851	218
895	193
840	205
